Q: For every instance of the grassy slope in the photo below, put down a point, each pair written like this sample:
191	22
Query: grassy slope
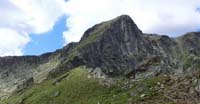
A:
76	88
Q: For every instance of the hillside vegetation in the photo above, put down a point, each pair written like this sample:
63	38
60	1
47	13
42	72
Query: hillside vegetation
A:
80	87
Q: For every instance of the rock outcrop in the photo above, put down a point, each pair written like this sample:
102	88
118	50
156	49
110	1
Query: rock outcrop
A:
118	47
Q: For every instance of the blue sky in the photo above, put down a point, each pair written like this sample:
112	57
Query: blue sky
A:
33	27
47	42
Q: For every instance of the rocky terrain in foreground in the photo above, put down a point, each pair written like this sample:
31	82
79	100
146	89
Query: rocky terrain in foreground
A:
114	63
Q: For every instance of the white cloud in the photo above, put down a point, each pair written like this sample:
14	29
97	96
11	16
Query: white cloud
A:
22	17
11	42
19	18
38	15
153	16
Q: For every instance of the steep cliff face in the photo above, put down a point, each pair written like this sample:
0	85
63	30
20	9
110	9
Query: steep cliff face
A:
190	43
117	47
16	71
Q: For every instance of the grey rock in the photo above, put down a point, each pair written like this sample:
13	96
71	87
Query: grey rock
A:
57	93
133	94
197	85
142	95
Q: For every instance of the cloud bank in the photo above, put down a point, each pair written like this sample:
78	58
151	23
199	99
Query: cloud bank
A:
172	18
19	18
12	42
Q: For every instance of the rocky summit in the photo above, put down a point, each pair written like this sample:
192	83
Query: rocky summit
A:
113	63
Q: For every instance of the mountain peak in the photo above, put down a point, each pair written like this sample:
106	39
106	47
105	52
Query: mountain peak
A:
110	44
123	23
116	47
124	17
125	20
